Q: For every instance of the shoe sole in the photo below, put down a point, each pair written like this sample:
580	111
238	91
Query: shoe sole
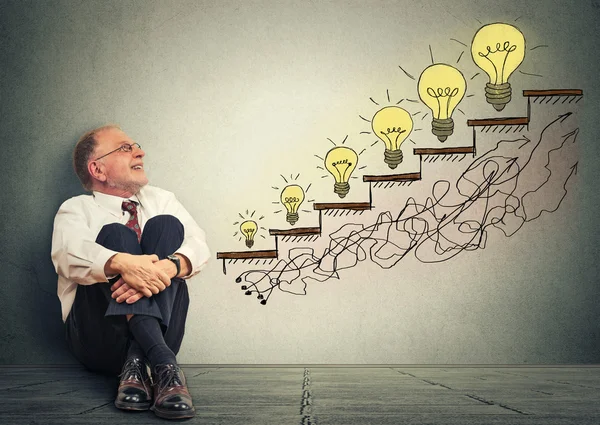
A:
133	406
174	415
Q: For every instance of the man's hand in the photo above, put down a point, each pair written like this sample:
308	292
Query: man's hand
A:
139	273
123	292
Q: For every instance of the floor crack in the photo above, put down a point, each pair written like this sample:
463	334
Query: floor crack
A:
95	408
206	372
306	403
31	385
492	403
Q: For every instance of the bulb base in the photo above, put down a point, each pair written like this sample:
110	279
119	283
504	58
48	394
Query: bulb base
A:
498	95
291	218
392	158
442	128
249	243
341	189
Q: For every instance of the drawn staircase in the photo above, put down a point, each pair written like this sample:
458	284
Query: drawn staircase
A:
497	126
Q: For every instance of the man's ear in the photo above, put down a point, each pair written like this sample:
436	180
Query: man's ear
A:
96	170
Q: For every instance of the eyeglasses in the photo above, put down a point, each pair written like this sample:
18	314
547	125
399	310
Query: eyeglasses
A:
127	147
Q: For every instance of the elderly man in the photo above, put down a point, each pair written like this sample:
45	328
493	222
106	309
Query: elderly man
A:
122	254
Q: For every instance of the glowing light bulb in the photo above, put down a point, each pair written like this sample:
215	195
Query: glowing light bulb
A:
341	162
248	229
498	49
291	197
392	125
441	87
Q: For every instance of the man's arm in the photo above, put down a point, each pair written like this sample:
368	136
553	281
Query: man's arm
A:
193	252
124	292
139	272
77	256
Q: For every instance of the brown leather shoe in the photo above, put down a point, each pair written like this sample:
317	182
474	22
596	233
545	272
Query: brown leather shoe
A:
135	387
172	399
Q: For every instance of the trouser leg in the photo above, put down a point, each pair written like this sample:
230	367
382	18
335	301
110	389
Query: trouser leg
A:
97	329
163	235
100	342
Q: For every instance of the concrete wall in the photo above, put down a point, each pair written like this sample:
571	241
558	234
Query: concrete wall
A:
225	96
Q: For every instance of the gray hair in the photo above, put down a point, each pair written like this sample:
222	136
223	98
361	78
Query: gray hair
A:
82	153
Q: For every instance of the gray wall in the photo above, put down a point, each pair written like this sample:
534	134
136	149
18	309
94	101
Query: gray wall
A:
204	86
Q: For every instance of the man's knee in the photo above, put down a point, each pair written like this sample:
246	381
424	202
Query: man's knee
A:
118	237
164	222
162	235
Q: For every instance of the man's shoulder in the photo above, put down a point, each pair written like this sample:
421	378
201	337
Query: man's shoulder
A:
154	192
77	201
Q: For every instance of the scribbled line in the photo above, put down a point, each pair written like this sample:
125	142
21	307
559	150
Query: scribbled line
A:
537	47
511	184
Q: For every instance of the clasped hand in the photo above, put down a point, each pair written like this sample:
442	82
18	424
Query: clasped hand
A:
141	276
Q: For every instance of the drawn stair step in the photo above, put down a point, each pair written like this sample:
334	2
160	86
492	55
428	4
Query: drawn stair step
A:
356	206
246	255
445	151
300	231
393	177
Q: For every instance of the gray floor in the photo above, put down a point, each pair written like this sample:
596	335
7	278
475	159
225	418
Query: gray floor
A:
320	395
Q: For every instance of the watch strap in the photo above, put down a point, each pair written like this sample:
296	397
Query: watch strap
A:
175	260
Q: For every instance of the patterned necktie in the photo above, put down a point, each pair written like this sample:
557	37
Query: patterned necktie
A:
132	223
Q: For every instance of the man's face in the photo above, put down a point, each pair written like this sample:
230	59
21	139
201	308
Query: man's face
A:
123	171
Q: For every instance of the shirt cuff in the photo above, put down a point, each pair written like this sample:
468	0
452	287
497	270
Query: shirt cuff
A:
99	263
198	258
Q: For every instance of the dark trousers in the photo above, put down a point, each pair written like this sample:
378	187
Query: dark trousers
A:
96	327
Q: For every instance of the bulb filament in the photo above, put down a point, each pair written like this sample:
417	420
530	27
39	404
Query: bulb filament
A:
498	58
443	96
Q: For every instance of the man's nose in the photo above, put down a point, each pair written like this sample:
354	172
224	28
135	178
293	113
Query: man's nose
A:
138	152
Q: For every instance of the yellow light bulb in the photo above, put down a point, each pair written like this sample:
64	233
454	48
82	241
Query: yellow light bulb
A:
498	49
392	125
248	229
341	162
441	87
291	197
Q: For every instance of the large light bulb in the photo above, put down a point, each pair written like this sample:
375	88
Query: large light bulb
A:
441	87
248	229
498	49
340	162
291	197
392	125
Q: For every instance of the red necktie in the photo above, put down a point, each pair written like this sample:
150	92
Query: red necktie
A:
132	223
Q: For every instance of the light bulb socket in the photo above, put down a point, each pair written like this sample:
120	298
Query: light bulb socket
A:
291	218
442	128
498	95
249	243
392	158
341	189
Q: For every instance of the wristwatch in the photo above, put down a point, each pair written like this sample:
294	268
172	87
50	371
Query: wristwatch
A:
175	260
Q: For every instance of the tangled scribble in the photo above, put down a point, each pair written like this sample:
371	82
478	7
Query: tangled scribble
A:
511	184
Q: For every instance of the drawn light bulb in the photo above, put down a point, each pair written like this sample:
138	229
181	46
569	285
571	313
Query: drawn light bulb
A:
341	162
441	87
248	229
498	49
392	125
291	197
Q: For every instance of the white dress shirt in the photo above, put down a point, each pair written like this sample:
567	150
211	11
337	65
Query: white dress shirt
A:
78	259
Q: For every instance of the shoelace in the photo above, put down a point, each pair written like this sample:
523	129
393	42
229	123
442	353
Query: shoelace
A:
132	369
168	376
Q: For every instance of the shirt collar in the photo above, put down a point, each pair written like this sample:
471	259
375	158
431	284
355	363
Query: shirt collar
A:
113	203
